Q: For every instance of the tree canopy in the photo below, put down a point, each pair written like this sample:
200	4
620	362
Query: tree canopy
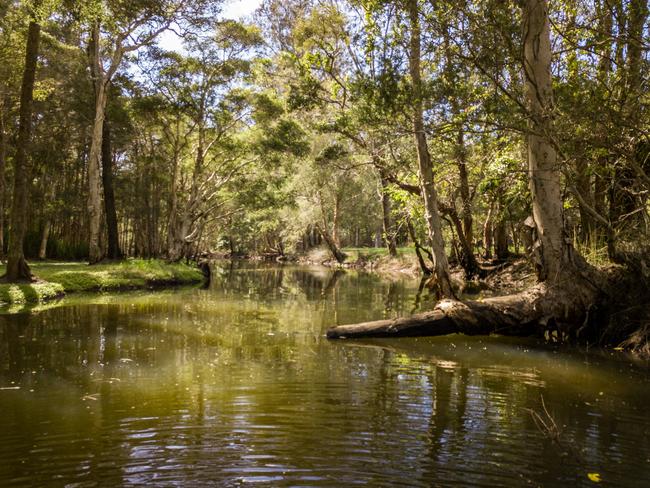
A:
343	123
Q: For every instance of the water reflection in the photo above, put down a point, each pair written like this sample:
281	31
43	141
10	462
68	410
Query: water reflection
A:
235	385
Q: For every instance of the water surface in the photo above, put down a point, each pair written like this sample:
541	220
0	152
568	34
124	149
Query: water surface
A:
236	385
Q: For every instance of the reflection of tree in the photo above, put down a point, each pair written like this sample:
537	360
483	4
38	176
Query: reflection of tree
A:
241	371
331	282
12	329
418	295
447	422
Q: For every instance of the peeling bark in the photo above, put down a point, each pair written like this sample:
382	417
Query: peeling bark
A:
543	165
94	202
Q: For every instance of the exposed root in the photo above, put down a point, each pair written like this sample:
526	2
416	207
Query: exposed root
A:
639	341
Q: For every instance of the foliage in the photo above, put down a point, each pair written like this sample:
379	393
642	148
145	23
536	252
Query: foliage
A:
253	138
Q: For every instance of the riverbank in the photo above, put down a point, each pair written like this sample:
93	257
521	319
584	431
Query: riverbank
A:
511	276
56	279
376	260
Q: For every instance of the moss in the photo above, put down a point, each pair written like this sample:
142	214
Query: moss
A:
57	278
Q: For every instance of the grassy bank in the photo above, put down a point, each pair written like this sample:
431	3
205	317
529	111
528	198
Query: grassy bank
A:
59	278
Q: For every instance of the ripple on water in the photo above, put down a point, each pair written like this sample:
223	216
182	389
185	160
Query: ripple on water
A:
222	391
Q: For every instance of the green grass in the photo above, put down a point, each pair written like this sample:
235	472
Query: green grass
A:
57	278
30	293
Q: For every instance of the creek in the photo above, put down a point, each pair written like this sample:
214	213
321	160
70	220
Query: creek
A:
236	384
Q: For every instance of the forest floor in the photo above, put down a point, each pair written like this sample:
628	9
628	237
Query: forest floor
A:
55	279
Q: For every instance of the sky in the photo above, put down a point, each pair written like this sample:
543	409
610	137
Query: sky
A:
236	9
232	9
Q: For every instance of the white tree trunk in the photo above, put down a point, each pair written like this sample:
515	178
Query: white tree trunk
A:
42	251
434	222
544	171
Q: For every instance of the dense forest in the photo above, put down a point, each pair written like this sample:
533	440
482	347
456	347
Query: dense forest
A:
468	130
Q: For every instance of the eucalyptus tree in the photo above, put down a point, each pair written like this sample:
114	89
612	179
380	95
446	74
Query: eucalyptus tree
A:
429	192
11	43
9	83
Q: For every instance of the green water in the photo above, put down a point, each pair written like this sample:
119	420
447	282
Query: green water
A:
236	385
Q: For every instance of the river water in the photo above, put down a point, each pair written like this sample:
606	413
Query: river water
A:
236	385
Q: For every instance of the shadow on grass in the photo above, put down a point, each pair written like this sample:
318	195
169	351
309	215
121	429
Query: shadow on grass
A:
21	293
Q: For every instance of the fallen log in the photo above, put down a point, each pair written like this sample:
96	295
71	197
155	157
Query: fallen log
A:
534	311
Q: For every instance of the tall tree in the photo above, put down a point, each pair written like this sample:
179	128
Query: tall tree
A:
17	267
429	194
544	170
3	159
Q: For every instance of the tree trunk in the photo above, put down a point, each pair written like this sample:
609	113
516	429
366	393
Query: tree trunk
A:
94	202
539	309
114	251
94	177
606	16
177	249
182	223
465	194
173	205
42	251
331	244
487	233
637	15
501	251
544	171
386	206
418	249
583	185
336	221
17	268
434	222
3	186
466	256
